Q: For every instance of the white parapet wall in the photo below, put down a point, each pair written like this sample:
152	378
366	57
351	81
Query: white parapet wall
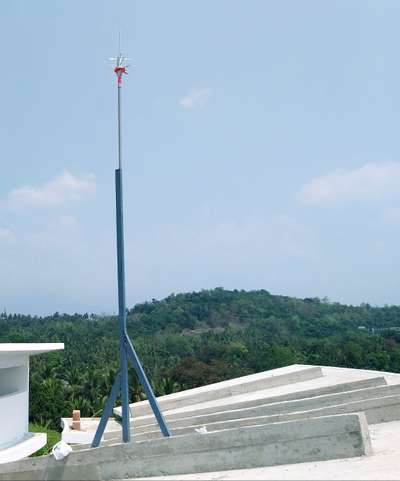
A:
15	440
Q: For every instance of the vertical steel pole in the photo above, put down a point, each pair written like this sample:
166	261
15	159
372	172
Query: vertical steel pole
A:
126	433
125	345
119	126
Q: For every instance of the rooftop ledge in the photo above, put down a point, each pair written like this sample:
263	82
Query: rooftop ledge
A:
26	446
30	348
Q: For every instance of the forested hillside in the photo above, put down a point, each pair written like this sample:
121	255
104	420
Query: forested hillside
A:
187	340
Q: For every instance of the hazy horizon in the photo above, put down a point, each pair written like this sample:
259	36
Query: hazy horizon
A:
115	313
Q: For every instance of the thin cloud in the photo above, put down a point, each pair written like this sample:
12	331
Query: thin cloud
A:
6	234
196	98
59	192
253	241
370	182
59	231
391	215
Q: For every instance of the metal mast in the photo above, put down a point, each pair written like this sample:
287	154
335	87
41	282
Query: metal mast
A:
126	349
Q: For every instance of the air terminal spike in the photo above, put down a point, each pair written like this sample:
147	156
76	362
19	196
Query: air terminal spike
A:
120	67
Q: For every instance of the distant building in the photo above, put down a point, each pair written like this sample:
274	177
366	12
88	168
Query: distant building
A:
380	329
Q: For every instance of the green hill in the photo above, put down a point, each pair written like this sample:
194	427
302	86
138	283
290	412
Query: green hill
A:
191	339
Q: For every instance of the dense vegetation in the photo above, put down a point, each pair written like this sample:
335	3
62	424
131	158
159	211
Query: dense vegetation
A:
187	340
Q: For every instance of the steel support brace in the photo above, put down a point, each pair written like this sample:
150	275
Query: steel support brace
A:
129	351
115	390
147	387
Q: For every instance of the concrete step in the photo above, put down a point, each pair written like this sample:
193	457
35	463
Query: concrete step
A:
254	382
376	413
285	407
377	410
292	396
304	408
316	439
113	432
344	407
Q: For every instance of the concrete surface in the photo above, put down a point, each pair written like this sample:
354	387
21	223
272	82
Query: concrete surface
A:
331	377
265	408
334	389
380	409
383	464
316	391
329	437
245	384
375	412
152	431
88	429
243	427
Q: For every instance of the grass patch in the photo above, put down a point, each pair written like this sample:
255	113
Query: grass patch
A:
52	438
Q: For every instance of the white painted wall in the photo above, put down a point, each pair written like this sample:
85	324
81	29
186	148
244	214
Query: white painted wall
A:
13	418
14	397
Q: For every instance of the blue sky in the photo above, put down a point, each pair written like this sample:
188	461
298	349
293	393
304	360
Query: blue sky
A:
261	150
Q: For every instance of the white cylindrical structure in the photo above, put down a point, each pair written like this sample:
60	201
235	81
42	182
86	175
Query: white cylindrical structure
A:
15	440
